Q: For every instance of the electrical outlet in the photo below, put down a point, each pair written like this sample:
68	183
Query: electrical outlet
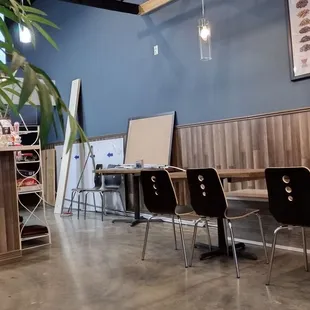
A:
155	50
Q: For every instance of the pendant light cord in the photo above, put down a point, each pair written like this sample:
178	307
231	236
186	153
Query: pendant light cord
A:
203	8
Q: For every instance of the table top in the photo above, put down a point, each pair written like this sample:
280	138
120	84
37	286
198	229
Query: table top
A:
253	174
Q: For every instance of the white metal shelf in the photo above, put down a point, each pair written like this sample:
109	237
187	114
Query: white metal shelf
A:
37	189
34	237
27	162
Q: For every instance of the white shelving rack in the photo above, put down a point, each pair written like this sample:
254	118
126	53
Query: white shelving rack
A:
32	214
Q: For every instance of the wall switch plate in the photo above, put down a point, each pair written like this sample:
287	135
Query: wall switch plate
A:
155	50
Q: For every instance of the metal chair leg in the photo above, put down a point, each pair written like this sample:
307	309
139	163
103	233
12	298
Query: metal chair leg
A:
102	206
94	200
183	242
304	242
208	233
122	202
234	248
174	234
193	242
226	236
79	199
85	206
146	237
263	236
275	234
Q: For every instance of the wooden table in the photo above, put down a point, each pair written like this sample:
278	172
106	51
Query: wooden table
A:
231	175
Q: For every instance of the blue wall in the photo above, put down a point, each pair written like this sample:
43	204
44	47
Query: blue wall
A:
113	55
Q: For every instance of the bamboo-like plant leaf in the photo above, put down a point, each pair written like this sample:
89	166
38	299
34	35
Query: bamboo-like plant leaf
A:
5	31
41	20
8	100
45	35
9	14
30	81
46	110
17	61
16	93
47	79
31	9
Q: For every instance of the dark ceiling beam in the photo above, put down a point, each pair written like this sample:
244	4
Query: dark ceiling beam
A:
113	5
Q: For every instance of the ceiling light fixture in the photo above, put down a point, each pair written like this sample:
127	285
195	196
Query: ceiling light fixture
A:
204	35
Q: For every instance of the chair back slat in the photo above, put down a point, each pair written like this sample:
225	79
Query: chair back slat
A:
206	192
289	195
112	180
98	177
158	192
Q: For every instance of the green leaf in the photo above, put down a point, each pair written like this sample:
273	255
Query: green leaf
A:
17	61
45	35
8	100
41	20
59	104
46	78
31	9
46	110
8	48
7	82
5	69
5	31
29	84
16	93
9	14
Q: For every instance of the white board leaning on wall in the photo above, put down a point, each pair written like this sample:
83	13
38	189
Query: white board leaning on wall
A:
106	152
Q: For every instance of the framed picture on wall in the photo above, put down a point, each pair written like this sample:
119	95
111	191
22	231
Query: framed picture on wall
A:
299	38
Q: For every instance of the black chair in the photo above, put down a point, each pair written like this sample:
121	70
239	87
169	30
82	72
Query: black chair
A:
208	201
160	199
112	185
289	203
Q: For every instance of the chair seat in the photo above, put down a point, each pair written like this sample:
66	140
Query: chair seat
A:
184	210
234	213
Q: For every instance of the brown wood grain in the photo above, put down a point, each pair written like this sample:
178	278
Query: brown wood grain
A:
260	141
49	175
9	221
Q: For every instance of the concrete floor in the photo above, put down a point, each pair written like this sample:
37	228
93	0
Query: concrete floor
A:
93	265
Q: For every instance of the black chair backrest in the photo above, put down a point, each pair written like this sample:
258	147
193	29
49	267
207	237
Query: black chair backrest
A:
112	180
158	192
206	192
98	177
289	195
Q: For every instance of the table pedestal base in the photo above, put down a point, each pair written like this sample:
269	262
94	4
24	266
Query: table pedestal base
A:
134	222
240	248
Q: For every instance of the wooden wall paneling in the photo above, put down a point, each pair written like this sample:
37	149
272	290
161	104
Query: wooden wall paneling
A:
236	153
304	143
257	160
287	140
209	149
295	133
200	147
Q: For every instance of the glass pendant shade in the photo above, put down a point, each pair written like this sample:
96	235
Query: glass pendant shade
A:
24	34
204	35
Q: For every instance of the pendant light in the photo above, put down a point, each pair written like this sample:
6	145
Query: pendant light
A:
24	33
204	35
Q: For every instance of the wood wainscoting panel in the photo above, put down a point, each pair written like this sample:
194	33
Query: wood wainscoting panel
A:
268	140
49	175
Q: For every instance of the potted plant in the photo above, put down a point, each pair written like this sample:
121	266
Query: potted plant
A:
34	78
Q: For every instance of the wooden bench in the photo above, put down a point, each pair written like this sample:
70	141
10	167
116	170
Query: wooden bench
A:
248	195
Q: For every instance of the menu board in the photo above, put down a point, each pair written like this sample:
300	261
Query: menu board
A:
299	38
